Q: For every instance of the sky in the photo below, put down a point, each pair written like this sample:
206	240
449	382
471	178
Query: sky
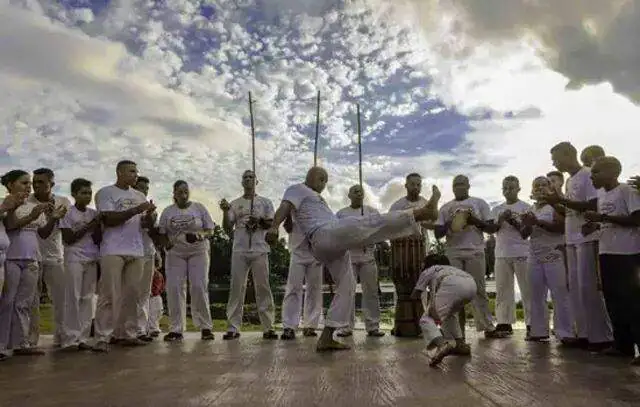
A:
477	87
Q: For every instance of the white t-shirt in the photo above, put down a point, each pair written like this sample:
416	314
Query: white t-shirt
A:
404	204
84	249
433	273
579	188
298	243
125	239
51	248
176	223
366	253
470	238
25	243
239	215
509	241
312	211
622	200
4	238
543	243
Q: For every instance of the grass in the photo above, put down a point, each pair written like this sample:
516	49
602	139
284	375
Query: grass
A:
251	323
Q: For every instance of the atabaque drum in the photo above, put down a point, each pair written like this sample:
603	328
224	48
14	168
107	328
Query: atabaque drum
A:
407	256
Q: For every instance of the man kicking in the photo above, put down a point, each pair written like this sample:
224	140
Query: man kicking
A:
332	238
451	288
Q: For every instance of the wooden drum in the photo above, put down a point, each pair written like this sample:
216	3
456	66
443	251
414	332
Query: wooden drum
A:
407	256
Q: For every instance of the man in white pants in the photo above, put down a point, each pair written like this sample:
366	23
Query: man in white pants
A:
332	238
247	219
303	268
511	255
451	288
585	289
124	212
465	248
148	235
51	253
363	264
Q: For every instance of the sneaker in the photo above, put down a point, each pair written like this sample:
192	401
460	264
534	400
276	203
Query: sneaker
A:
83	346
154	334
270	334
207	335
229	335
344	334
145	338
288	334
599	346
3	357
28	351
495	334
537	339
376	333
462	349
505	329
440	352
101	347
173	337
133	342
309	332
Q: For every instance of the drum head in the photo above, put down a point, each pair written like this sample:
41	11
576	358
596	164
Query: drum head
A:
459	221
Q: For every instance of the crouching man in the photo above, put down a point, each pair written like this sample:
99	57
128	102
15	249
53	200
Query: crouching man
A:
450	289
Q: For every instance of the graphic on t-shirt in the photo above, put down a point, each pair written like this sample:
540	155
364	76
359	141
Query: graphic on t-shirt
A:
182	222
124	204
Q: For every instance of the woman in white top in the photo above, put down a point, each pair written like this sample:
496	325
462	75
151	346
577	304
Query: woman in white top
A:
185	227
21	267
547	270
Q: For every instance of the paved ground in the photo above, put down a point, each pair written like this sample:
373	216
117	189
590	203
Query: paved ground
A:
379	372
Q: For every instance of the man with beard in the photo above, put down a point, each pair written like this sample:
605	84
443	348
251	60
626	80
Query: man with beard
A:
247	218
465	247
51	253
331	239
587	303
124	211
363	264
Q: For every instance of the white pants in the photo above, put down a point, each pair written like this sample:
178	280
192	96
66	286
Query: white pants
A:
80	292
21	284
53	274
117	311
474	264
454	292
195	269
143	295
156	309
330	245
367	272
2	266
505	269
258	263
544	276
309	271
587	303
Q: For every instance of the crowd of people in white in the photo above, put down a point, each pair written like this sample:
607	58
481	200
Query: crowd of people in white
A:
582	245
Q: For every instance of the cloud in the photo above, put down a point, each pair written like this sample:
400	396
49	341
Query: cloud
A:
588	41
166	84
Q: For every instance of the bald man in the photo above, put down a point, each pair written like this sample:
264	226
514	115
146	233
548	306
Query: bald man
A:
465	248
618	216
587	303
331	239
363	264
591	154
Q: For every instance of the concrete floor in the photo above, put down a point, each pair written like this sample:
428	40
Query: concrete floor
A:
378	372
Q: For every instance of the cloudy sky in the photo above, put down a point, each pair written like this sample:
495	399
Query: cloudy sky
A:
477	87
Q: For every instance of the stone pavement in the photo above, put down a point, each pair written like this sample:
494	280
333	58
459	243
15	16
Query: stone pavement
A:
378	372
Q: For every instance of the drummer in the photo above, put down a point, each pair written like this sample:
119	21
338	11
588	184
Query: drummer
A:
413	200
463	221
